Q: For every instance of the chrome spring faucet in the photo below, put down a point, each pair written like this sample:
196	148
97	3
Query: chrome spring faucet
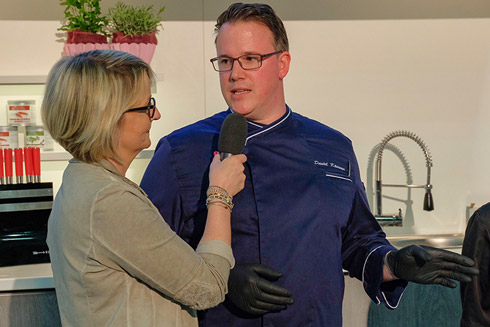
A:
396	219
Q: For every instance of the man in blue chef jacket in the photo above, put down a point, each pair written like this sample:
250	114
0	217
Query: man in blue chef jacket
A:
303	214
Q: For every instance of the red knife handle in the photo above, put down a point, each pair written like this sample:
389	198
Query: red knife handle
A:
36	159
2	174
8	165
29	167
19	165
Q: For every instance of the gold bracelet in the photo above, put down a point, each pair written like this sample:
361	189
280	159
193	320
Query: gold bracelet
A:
217	189
219	197
219	203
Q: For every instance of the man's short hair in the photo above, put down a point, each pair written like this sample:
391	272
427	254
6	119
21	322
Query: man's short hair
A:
255	12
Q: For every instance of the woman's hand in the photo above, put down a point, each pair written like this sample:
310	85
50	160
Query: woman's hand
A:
228	174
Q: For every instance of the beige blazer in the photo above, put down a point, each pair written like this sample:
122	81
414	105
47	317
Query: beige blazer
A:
116	262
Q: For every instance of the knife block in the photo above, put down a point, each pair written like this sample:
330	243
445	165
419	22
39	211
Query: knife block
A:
24	213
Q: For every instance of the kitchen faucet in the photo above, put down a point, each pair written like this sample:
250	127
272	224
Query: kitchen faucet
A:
396	219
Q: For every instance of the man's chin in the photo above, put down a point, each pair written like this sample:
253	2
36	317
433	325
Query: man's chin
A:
241	110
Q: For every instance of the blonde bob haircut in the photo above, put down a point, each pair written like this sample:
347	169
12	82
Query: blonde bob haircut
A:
86	96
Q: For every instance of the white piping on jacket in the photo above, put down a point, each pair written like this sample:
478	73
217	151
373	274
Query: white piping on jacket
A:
268	128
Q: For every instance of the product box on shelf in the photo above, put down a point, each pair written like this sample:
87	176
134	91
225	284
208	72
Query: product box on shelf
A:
21	112
8	137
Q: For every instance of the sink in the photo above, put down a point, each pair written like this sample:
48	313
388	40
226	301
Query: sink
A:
441	241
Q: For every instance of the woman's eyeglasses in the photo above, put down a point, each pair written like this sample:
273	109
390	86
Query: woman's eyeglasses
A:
150	108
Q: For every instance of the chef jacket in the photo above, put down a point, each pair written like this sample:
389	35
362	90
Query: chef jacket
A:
475	296
303	212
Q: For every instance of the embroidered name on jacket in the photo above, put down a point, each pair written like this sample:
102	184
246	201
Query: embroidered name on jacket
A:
329	164
339	169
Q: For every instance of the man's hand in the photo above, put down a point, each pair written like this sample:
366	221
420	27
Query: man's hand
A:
251	289
428	265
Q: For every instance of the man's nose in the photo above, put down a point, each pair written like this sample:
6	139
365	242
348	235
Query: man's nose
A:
236	70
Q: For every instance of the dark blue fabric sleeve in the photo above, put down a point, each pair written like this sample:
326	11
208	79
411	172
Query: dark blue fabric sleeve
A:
364	247
388	293
161	184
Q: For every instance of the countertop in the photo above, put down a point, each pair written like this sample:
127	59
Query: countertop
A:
26	277
40	276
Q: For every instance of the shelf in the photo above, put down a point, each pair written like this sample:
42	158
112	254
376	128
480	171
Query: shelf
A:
63	156
26	277
41	79
23	79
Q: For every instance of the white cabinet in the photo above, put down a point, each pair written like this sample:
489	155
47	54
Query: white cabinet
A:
29	309
356	304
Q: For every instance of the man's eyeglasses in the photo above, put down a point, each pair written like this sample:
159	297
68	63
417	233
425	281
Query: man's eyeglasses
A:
150	108
247	62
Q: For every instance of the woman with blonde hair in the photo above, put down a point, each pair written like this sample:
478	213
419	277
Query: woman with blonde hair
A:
115	261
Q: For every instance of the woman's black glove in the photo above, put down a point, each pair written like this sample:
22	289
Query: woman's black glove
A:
251	289
428	265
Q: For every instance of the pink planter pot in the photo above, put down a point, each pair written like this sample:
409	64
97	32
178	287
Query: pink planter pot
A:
144	51
71	49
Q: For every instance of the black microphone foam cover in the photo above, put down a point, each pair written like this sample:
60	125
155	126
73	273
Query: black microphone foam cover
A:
233	134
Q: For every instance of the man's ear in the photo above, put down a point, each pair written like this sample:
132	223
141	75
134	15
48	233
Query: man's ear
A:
284	60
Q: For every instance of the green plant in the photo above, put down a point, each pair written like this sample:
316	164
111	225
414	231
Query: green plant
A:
83	15
133	20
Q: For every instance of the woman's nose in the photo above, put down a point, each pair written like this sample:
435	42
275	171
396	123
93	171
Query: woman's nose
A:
157	115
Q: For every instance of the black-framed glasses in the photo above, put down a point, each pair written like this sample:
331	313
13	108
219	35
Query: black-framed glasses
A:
149	109
247	62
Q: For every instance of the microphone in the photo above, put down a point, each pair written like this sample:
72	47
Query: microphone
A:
232	135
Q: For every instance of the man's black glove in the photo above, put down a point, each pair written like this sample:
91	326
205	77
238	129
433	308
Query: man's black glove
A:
251	289
428	265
